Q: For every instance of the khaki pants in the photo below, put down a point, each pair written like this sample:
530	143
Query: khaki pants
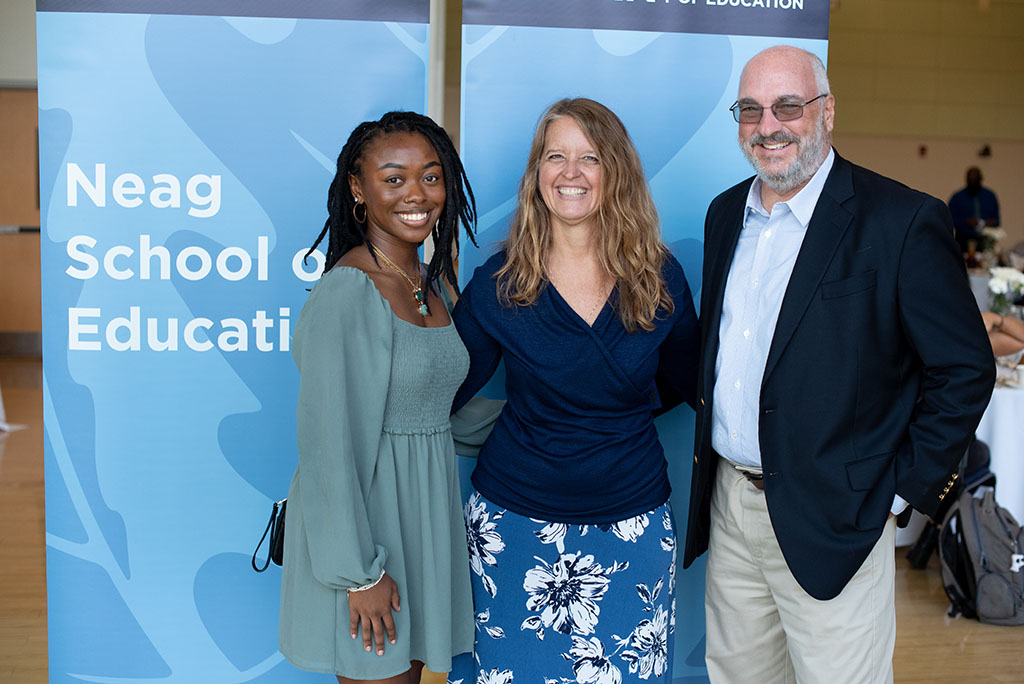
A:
763	627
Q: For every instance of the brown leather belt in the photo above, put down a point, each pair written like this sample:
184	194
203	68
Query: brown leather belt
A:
756	479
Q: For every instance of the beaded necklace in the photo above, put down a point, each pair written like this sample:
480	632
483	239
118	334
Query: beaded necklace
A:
417	292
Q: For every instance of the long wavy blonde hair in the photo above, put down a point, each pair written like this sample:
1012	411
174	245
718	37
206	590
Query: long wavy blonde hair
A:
629	238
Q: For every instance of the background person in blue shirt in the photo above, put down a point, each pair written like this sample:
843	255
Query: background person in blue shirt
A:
571	535
973	208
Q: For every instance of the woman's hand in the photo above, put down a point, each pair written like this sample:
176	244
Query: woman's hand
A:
372	608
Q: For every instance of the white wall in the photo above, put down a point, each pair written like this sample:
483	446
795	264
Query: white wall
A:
939	68
17	43
940	172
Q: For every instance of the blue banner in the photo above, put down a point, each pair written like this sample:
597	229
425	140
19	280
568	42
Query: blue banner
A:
184	166
671	79
363	10
769	18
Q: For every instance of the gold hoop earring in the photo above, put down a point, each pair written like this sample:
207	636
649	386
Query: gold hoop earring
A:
355	213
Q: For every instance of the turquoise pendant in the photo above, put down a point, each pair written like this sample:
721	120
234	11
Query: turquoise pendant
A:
422	299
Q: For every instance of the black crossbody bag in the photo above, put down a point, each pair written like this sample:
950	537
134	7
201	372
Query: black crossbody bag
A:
275	530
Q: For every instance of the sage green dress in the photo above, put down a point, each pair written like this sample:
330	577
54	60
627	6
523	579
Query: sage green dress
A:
377	484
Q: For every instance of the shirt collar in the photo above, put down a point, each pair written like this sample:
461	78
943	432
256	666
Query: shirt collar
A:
802	204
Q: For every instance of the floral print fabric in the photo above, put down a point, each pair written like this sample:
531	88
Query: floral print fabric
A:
558	603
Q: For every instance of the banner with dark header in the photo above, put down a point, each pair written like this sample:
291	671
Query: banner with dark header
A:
670	70
770	18
186	150
416	11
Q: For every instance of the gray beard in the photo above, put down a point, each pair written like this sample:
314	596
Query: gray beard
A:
813	149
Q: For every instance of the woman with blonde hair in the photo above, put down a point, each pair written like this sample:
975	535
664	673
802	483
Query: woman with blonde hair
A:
572	544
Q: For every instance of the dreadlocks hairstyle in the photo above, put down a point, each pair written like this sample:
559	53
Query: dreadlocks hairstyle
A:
343	232
629	237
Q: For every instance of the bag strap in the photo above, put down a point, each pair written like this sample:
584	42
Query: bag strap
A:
958	603
270	526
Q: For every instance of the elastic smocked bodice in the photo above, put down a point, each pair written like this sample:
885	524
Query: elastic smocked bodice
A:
427	367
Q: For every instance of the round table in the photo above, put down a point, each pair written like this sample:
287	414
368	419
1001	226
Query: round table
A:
1000	428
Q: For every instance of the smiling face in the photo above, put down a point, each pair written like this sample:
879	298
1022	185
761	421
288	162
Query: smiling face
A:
785	154
569	174
401	181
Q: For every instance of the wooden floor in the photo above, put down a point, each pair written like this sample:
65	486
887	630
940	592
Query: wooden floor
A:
22	533
930	647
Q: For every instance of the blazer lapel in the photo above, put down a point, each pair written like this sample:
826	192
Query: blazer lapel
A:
723	244
824	233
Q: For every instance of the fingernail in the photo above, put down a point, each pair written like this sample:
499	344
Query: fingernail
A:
353	635
380	651
393	641
367	648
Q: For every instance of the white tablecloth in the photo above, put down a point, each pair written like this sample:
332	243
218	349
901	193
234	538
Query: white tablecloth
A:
979	288
1002	428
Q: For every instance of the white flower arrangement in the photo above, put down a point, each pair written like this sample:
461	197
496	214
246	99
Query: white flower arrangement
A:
1007	284
990	237
996	234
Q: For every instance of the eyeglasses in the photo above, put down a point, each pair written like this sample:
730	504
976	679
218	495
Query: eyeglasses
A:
747	113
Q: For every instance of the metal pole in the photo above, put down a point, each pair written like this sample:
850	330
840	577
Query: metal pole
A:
435	79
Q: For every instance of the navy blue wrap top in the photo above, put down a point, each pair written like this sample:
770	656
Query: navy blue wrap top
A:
576	442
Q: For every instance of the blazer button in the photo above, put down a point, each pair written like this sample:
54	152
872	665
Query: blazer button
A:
702	401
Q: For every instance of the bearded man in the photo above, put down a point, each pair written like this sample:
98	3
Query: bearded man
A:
844	369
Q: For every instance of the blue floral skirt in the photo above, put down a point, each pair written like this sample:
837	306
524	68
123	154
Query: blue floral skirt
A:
558	603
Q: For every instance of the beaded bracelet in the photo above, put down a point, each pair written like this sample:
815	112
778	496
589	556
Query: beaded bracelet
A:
371	585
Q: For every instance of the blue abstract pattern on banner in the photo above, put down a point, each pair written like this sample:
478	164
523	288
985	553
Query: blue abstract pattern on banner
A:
184	165
671	83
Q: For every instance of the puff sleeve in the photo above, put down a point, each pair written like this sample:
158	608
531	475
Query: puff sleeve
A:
342	347
472	424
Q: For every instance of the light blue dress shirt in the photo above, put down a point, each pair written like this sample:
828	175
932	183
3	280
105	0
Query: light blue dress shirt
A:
765	254
761	267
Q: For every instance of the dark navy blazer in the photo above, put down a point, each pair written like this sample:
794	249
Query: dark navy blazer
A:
876	378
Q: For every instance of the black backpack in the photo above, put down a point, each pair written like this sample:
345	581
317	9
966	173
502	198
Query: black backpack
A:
981	548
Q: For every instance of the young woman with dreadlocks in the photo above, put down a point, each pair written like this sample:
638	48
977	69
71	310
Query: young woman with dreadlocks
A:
375	580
